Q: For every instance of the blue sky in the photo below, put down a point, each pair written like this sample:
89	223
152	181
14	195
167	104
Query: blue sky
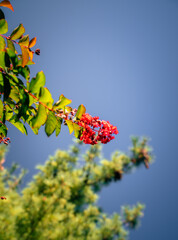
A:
120	59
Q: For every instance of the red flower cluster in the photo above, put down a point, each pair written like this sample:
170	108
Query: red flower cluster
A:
96	130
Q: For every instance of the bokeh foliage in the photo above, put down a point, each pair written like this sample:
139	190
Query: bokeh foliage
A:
60	202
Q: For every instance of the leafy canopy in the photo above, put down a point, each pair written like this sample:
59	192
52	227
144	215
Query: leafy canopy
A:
60	202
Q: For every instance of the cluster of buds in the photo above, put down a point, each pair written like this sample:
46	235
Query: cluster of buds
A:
5	140
96	130
67	114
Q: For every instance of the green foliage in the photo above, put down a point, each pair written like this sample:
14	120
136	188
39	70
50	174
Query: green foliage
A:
60	202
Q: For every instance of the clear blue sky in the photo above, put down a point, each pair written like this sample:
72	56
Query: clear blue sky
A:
120	59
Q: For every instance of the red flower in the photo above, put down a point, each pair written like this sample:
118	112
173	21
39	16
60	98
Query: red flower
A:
96	130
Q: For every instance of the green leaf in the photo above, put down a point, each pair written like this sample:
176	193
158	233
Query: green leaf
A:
19	125
81	110
50	124
2	59
1	110
24	41
63	101
18	32
14	94
2	43
7	87
40	118
58	126
24	104
13	56
76	130
8	112
37	83
70	126
3	130
10	45
24	71
45	95
3	26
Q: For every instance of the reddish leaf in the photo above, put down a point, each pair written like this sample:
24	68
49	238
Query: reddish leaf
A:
25	56
32	42
6	3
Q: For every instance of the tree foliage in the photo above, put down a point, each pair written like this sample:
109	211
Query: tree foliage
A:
26	100
60	202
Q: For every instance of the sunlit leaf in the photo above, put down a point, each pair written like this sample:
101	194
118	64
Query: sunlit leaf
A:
3	130
18	32
2	43
70	126
10	45
63	101
32	42
30	55
6	3
25	55
2	59
14	94
8	112
51	123
3	26
81	110
24	41
19	125
58	126
45	95
40	118
37	82
76	130
1	110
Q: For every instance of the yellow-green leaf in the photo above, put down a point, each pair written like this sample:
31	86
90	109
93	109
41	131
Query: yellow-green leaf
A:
1	110
10	45
63	101
37	83
18	32
70	126
14	94
76	130
51	123
2	43
3	26
81	110
19	125
45	95
24	41
40	118
58	126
